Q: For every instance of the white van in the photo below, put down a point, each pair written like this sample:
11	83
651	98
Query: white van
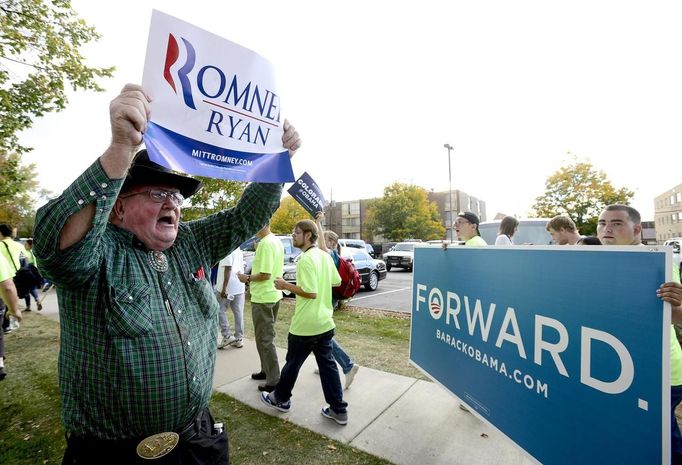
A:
532	231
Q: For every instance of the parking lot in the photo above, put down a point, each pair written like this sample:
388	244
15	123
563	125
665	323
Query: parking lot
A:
394	293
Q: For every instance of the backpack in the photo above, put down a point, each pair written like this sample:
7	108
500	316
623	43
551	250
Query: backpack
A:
350	280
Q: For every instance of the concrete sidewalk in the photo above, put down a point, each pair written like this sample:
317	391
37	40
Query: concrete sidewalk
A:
401	419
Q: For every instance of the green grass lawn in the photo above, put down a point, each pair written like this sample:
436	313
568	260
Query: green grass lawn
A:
31	432
375	339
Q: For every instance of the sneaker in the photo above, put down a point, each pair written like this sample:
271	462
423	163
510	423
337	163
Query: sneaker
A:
7	330
3	373
350	376
40	306
340	418
259	376
13	323
239	343
266	387
27	309
226	341
269	400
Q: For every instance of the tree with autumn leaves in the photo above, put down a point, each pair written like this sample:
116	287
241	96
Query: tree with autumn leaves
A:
404	212
40	43
581	192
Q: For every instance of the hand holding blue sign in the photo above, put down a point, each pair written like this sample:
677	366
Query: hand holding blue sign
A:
671	292
308	194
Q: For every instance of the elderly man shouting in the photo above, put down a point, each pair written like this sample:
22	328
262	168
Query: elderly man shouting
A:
137	312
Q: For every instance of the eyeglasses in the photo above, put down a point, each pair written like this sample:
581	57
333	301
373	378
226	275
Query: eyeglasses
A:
160	196
462	221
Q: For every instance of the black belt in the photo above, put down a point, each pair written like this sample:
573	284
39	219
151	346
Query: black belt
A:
149	447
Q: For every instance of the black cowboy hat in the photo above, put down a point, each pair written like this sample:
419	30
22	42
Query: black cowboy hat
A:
143	171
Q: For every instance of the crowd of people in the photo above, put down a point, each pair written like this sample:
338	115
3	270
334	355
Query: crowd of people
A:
140	315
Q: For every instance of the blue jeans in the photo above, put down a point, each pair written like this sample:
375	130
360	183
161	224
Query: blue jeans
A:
341	357
32	292
676	438
299	347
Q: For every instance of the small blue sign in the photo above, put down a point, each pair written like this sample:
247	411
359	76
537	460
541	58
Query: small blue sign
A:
308	194
564	350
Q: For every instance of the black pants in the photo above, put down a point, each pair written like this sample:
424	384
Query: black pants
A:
202	446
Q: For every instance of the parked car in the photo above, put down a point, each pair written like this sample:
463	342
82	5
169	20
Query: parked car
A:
440	242
532	231
357	243
676	244
370	269
249	249
401	255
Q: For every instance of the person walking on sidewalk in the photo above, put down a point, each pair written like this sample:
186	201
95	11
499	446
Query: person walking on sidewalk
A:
138	316
14	254
312	326
268	264
31	260
231	293
9	303
329	242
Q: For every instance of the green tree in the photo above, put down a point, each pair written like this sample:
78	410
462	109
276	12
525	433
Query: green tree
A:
287	215
17	193
581	192
405	212
215	195
39	56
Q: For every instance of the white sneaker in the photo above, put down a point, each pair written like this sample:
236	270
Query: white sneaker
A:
350	376
226	341
13	323
239	343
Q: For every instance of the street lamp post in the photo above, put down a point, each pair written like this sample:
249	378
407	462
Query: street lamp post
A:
452	229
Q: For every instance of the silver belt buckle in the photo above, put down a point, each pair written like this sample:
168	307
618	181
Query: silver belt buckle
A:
157	445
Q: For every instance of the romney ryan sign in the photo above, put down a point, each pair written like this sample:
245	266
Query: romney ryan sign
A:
564	350
215	110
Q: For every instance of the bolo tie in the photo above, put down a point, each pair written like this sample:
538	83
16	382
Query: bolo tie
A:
158	260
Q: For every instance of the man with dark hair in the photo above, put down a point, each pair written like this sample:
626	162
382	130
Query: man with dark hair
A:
137	311
14	254
466	226
563	230
622	225
9	303
312	326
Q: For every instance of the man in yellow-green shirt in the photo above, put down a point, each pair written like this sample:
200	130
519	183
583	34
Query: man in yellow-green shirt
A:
8	293
622	225
466	226
267	265
312	326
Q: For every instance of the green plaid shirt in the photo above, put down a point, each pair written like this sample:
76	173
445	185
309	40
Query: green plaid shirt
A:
128	365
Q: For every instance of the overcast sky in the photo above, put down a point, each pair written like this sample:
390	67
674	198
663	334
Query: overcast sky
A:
377	87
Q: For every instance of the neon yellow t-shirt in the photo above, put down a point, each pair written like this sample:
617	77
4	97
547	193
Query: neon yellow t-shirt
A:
476	240
12	250
6	270
675	350
269	259
315	274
